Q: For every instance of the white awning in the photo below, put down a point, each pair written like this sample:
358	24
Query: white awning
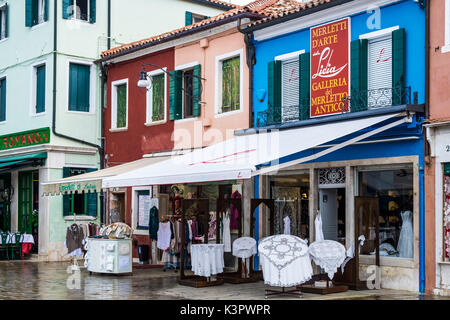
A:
238	158
92	181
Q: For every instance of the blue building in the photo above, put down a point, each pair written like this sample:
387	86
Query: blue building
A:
368	182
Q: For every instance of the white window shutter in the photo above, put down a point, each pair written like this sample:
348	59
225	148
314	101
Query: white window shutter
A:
290	75
380	72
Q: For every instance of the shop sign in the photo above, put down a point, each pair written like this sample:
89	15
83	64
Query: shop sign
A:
77	186
25	139
330	68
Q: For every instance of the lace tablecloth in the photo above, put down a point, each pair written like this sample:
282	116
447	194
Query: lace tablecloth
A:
285	260
327	254
207	259
244	247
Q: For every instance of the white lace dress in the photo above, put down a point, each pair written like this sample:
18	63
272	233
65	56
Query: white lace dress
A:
285	260
405	245
226	232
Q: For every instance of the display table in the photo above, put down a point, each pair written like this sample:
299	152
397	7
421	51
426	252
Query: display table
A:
207	259
109	255
329	255
285	263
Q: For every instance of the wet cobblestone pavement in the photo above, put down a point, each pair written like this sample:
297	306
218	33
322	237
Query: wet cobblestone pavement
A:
48	280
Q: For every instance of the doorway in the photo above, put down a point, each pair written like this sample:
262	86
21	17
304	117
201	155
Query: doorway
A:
332	210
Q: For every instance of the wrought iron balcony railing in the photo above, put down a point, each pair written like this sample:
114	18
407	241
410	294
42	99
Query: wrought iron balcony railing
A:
358	101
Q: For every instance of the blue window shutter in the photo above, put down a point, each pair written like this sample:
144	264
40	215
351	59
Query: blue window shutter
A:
29	13
92	200
92	11
67	8
7	20
197	90
40	89
66	197
46	10
188	18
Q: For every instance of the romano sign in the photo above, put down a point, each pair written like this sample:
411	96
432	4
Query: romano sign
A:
330	53
25	139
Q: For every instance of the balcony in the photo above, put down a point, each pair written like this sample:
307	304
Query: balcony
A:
357	102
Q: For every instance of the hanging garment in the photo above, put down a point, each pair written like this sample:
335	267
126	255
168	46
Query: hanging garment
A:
194	229
164	235
189	223
153	223
234	216
318	225
74	239
405	245
212	226
287	225
226	232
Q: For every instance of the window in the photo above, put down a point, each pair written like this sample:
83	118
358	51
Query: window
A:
36	12
3	99
39	87
191	18
81	204
446	47
4	21
156	97
185	92
393	188
119	114
79	87
84	10
230	84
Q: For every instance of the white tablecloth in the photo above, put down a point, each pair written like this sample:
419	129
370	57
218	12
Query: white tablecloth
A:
285	260
207	259
327	254
244	247
26	238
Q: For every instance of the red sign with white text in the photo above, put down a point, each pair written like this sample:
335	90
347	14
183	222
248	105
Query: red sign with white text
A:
330	68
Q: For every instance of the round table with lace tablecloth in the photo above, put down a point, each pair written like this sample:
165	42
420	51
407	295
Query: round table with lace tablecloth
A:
207	259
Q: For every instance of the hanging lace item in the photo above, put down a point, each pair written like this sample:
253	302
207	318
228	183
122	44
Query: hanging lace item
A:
327	254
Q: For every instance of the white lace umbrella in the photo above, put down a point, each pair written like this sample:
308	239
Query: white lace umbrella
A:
285	260
327	254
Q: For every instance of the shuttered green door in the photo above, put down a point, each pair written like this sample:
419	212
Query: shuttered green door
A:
40	89
304	97
79	85
25	201
175	95
67	203
274	92
398	67
2	99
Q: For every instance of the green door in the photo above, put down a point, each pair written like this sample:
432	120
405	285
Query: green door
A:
25	201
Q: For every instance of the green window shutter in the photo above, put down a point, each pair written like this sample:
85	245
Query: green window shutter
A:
92	11
40	89
2	99
67	203
398	67
158	103
447	168
175	95
46	10
206	17
359	78
231	84
7	20
92	200
274	92
197	90
188	18
121	105
67	9
304	98
79	87
73	75
29	13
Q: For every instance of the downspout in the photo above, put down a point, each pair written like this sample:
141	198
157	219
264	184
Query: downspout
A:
55	73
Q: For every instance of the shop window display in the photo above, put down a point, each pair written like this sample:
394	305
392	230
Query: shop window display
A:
394	190
447	217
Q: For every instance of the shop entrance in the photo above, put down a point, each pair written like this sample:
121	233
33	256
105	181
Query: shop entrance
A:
5	202
332	210
28	201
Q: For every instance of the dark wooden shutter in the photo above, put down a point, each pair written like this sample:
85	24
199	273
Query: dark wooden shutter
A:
40	89
188	18
29	13
175	95
274	92
398	67
92	200
46	10
92	11
358	82
304	83
67	203
197	108
2	99
67	9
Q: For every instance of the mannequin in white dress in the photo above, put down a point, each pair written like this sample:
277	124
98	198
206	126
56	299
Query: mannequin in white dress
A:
405	245
318	226
226	231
